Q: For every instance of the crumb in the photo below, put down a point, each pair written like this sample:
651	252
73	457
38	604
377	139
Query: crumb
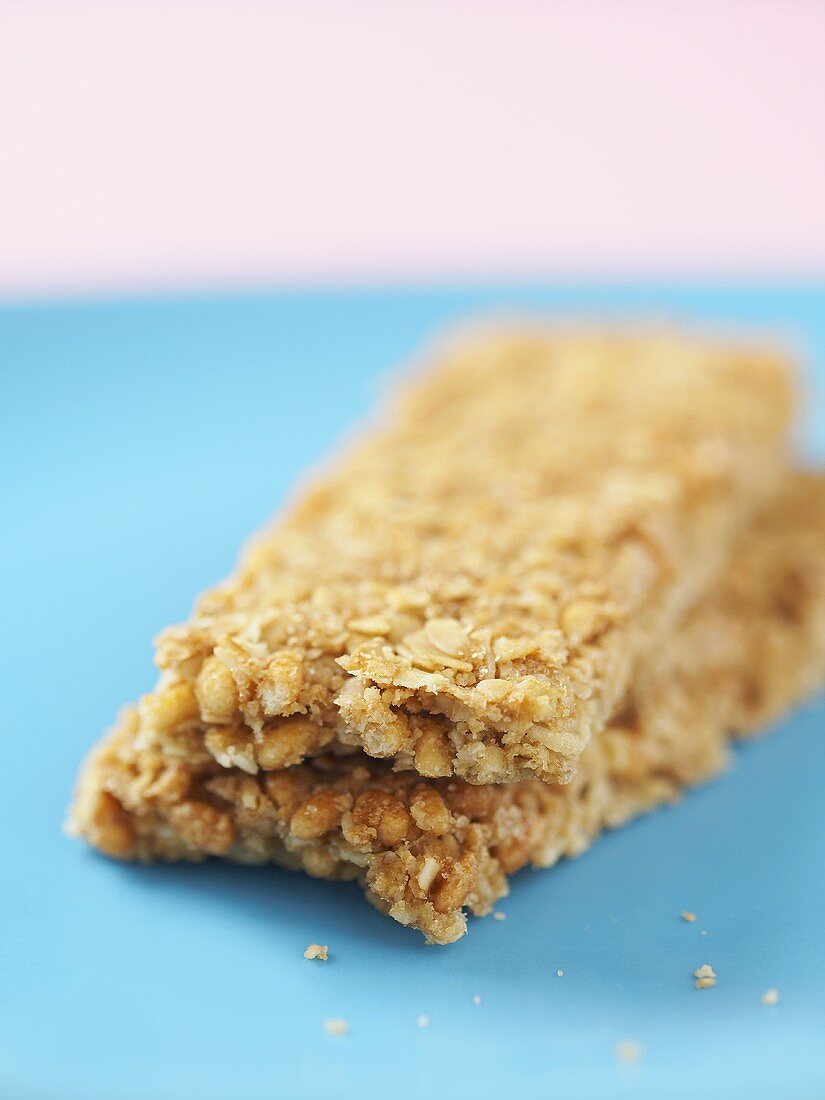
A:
336	1027
476	1000
704	932
705	977
559	973
629	1050
771	996
317	951
499	916
688	916
423	1021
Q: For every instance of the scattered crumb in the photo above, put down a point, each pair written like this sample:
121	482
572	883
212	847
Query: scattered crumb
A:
629	1050
704	932
499	916
688	916
771	996
336	1027
476	1000
559	973
317	951
423	1021
705	977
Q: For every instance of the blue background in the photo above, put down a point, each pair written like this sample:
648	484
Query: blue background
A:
140	443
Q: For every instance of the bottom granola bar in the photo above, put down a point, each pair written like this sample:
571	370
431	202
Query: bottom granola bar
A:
427	850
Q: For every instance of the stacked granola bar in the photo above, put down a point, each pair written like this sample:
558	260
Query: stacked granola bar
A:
536	600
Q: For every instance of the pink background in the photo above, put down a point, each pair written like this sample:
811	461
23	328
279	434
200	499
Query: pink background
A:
154	144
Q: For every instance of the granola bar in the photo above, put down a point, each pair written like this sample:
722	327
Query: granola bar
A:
468	589
426	849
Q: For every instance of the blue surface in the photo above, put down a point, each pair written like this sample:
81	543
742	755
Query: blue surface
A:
140	443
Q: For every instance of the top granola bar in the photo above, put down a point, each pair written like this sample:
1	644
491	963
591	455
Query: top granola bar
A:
467	590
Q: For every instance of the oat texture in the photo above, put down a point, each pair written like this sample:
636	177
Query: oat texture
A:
467	590
428	849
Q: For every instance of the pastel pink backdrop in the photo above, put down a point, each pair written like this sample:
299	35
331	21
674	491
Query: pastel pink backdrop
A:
147	143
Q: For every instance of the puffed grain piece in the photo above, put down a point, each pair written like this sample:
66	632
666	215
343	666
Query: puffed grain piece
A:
427	850
534	511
